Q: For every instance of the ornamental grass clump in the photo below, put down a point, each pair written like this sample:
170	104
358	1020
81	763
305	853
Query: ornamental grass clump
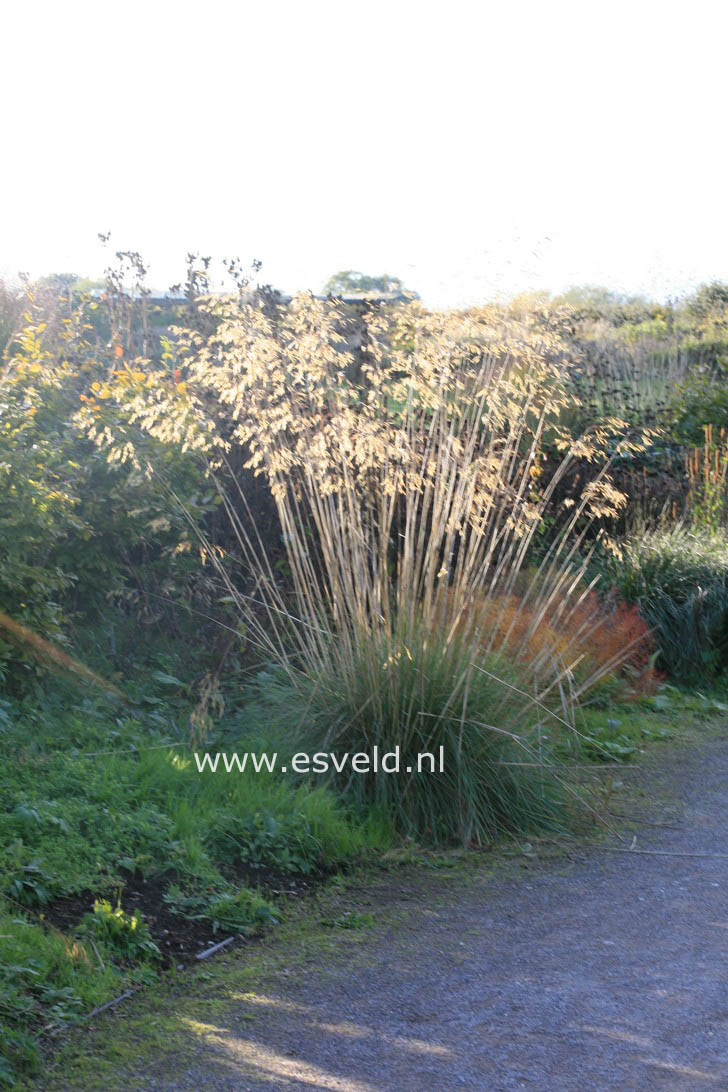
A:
473	756
409	480
679	579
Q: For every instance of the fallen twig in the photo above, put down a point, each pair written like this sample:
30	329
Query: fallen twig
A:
663	852
109	1004
215	948
98	956
596	767
647	822
54	1031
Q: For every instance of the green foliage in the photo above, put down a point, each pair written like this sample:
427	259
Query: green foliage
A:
27	884
46	981
89	822
593	303
698	401
619	733
680	581
72	825
262	840
125	936
606	741
630	378
708	300
660	364
10	309
240	911
419	694
78	531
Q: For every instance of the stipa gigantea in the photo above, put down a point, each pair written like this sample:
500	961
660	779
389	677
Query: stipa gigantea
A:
409	486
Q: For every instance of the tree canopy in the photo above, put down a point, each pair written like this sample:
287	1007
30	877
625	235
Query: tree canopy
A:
349	281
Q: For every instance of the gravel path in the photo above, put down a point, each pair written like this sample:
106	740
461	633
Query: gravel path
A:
609	971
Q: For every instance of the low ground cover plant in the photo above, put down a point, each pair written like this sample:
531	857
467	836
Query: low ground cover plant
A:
123	936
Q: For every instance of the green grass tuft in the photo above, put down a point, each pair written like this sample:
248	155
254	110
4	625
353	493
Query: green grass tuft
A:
679	578
419	692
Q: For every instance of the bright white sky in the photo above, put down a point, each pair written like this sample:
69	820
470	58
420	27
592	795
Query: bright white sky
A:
472	149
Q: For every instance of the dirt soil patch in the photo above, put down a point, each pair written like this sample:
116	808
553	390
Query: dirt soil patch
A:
180	939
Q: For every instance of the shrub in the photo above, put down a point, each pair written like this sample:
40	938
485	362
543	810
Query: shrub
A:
75	530
698	401
679	580
630	372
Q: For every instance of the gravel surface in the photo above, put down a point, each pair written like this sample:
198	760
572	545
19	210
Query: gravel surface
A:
607	971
